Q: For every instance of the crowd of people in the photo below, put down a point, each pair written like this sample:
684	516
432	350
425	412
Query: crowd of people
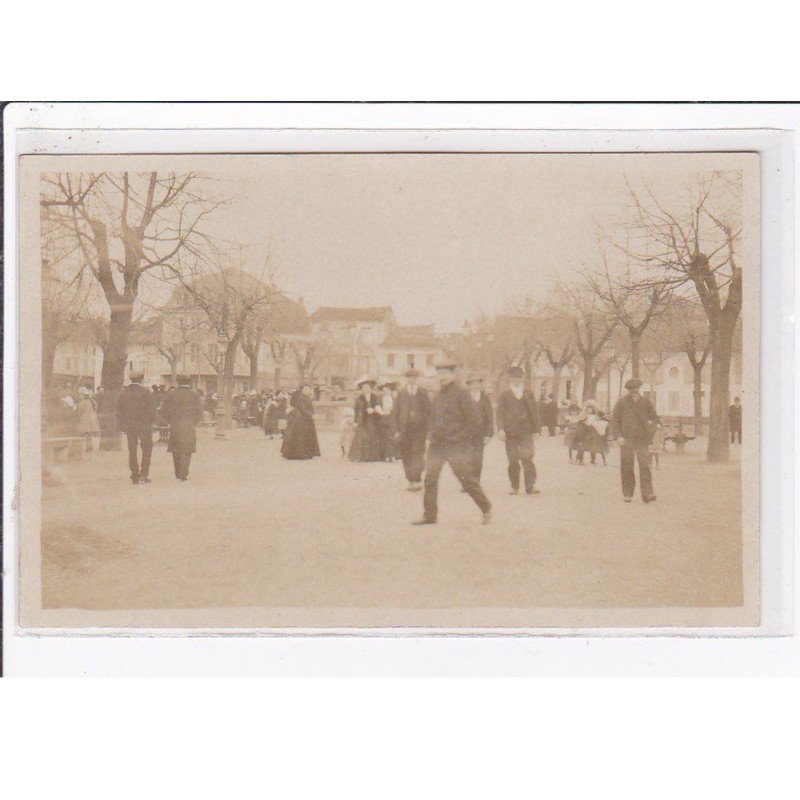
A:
387	423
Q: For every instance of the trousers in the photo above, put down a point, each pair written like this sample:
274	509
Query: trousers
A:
137	437
519	449
181	461
460	459
627	453
412	452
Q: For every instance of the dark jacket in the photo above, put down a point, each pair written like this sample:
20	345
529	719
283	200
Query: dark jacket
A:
360	407
506	418
135	408
403	407
633	421
183	410
455	418
735	417
549	413
486	428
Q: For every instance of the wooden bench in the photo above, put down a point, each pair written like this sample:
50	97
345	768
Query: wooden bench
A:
680	441
71	445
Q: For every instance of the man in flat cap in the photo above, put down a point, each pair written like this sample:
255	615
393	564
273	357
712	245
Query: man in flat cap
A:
518	421
455	420
486	429
136	415
632	424
183	410
412	413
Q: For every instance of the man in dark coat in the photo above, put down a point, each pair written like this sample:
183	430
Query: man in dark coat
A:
518	421
632	423
550	415
136	415
486	428
735	420
183	410
411	414
455	421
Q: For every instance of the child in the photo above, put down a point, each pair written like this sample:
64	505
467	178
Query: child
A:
657	445
348	428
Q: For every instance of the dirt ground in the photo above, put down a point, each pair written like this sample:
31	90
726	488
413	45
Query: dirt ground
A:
250	529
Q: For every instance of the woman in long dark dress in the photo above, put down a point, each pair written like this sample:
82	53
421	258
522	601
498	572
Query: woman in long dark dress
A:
368	440
300	441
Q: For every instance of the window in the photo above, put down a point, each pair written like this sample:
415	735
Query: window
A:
390	361
194	351
429	360
410	360
568	393
674	372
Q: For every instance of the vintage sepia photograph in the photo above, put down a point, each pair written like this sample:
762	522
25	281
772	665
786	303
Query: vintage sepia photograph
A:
390	390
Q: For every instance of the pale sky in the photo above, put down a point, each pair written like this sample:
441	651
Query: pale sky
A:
438	237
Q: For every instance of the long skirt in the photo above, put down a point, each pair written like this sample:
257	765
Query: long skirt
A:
300	441
368	444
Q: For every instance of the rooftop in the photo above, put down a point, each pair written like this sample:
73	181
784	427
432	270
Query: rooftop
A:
368	314
411	336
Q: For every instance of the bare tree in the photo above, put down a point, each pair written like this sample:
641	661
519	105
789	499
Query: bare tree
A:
277	346
634	305
252	341
309	354
592	327
695	245
126	226
229	298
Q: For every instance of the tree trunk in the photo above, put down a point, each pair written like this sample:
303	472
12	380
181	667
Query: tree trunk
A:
173	368
254	371
278	371
228	380
721	349
698	398
555	386
589	381
636	341
112	374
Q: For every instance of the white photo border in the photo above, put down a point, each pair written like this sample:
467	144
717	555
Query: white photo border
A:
219	128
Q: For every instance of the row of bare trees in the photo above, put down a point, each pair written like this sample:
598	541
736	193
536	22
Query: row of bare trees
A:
667	278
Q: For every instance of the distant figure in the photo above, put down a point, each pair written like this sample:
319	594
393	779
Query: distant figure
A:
88	425
550	415
631	426
571	419
657	446
455	421
486	429
183	411
518	422
388	392
735	420
347	426
592	432
411	419
136	415
368	443
300	442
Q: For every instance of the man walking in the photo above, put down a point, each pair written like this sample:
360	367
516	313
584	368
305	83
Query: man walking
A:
486	428
455	420
412	413
136	414
519	422
183	410
632	423
735	420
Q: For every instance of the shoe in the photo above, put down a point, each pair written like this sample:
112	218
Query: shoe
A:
145	480
423	521
513	491
650	499
135	481
487	518
628	499
416	487
533	490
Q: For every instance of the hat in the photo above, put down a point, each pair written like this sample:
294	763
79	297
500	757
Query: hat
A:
516	372
364	379
83	390
592	403
475	379
633	383
389	385
412	373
